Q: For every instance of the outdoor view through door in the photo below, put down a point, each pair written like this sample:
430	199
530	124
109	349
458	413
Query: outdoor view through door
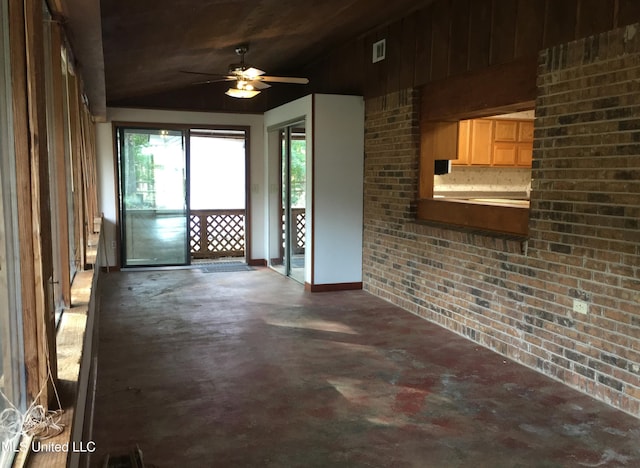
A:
217	194
182	195
292	209
153	197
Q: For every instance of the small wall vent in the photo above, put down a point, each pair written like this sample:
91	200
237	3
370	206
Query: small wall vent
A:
379	50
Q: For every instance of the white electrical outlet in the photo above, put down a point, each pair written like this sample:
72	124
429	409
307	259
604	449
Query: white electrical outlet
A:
580	307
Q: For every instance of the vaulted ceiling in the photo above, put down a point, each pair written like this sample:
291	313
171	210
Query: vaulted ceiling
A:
148	44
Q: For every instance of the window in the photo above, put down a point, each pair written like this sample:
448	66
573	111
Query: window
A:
476	150
492	162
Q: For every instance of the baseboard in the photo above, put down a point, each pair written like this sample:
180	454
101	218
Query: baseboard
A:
257	262
332	287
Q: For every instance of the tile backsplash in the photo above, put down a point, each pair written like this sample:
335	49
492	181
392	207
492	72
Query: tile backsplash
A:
484	181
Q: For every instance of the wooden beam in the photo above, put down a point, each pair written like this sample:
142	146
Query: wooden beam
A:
41	213
27	59
513	220
60	167
23	192
473	94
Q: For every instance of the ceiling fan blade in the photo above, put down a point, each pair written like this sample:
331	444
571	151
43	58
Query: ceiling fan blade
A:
257	84
210	81
284	79
215	76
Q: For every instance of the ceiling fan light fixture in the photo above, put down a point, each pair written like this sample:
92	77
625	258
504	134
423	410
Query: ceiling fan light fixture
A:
249	81
244	84
242	93
252	73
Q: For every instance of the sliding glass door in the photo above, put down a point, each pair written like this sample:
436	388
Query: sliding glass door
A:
293	182
218	195
153	196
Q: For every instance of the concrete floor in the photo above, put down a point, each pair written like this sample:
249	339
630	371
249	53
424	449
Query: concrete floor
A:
246	369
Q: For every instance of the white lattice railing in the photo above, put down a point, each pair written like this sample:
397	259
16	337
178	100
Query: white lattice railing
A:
298	218
217	233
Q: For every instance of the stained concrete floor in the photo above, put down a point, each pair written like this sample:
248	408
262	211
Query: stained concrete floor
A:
245	369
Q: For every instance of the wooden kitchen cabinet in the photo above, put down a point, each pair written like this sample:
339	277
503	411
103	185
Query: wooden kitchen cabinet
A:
464	139
524	154
525	131
512	154
495	142
481	146
513	143
506	130
504	154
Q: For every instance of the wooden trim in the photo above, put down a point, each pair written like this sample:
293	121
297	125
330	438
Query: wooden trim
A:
512	220
331	287
257	262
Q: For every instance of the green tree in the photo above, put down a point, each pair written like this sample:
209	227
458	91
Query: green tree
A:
139	164
298	171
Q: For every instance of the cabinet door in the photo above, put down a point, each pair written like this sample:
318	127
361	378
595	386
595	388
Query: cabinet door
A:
506	130
524	154
504	154
464	140
525	132
481	142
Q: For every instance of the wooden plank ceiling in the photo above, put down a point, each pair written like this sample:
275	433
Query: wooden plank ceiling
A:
147	43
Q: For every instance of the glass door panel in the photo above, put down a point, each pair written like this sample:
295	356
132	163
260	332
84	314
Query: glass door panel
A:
217	194
297	184
153	200
291	214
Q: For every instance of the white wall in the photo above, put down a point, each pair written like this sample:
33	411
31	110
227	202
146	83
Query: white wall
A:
338	193
335	165
107	166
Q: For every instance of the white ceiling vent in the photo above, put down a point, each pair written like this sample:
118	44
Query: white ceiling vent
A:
379	50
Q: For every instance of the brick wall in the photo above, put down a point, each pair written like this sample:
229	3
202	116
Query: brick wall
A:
517	297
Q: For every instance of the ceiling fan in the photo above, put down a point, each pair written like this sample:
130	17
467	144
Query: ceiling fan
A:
249	81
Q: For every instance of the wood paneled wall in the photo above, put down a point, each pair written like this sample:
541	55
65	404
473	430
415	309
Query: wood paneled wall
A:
452	37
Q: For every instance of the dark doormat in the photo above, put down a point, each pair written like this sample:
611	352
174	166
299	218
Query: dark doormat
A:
225	267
